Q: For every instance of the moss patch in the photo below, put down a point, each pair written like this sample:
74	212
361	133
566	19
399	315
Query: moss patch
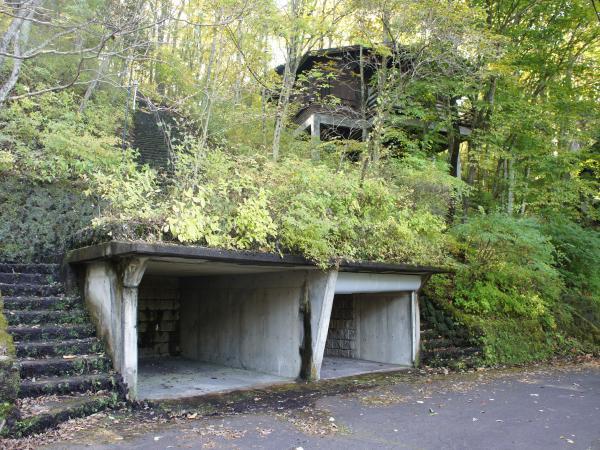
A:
37	219
9	375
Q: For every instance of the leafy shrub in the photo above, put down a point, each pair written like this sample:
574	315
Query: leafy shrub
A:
506	268
295	205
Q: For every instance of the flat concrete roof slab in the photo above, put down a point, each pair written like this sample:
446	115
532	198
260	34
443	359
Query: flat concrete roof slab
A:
160	253
174	377
335	367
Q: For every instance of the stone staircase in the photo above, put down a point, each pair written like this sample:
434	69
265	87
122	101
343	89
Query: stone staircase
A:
64	370
444	342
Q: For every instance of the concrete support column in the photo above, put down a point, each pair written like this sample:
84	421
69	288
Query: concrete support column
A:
132	271
415	326
321	290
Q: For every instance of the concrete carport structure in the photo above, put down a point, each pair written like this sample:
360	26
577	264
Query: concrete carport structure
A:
185	321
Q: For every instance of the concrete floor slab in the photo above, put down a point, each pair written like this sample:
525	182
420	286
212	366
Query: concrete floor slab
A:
335	367
175	377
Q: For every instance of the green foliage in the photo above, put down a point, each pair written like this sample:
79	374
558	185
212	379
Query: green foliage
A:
529	290
48	140
295	205
512	341
506	268
9	374
578	255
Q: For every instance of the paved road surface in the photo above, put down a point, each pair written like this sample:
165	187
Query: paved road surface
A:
544	408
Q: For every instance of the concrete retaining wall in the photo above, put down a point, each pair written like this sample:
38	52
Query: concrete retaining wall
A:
244	321
373	327
384	328
341	337
103	299
158	317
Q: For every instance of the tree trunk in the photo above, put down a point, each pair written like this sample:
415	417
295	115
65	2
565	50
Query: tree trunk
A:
454	151
19	39
92	86
363	97
289	77
510	199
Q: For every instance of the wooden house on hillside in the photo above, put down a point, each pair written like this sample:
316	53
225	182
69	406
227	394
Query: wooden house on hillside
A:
336	92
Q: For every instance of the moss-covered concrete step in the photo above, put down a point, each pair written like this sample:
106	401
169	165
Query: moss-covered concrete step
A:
37	349
449	353
51	269
30	303
46	316
444	342
27	289
430	333
27	278
26	333
68	385
69	365
46	412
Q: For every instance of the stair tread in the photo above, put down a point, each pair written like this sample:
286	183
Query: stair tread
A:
49	343
58	347
44	303
42	268
46	326
55	404
33	284
46	316
31	289
38	297
53	380
25	362
23	333
61	384
39	312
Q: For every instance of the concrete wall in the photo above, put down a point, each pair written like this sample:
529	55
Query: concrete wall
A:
245	321
384	328
101	294
158	316
341	337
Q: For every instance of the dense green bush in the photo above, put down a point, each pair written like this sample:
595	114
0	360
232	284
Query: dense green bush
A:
578	260
506	267
295	205
527	290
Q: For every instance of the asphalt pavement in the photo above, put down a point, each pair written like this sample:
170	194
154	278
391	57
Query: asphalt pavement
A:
540	408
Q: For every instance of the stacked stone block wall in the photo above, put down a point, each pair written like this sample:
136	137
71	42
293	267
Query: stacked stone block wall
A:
158	317
341	337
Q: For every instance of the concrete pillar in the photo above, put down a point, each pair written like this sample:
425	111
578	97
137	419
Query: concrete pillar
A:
132	271
321	290
416	327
